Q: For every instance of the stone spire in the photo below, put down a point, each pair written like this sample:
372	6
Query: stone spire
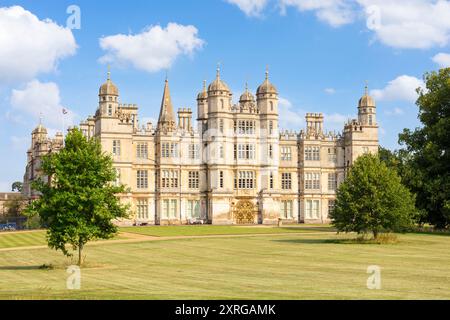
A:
166	115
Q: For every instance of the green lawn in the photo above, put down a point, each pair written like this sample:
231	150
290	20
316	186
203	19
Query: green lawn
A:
203	230
22	239
27	239
281	266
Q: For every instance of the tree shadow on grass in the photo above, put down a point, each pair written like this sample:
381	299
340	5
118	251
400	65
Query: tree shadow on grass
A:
330	241
23	268
306	229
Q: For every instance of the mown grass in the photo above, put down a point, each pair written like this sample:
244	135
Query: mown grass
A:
29	239
204	230
281	266
22	239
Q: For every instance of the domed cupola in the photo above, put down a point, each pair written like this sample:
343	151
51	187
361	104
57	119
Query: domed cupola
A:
366	100
218	86
367	109
247	96
266	87
108	88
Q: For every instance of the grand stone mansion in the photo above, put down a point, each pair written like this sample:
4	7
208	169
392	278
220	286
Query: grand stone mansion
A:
234	167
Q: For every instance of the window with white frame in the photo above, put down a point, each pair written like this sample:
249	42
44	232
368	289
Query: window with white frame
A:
312	181
221	175
246	180
312	153
142	179
142	209
169	150
286	153
286	181
193	209
331	205
332	181
246	151
312	209
169	179
194	151
246	127
193	179
287	209
332	157
142	150
116	148
169	209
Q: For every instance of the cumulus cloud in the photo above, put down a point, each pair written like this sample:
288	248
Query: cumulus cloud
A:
154	49
289	118
251	8
330	91
442	59
29	46
333	12
402	88
414	24
37	99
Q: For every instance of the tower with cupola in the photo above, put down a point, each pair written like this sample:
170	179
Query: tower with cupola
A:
361	135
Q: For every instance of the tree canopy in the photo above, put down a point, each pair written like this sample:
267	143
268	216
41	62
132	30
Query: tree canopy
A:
429	149
80	203
372	199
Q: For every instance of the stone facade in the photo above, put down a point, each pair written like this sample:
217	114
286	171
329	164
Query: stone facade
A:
234	167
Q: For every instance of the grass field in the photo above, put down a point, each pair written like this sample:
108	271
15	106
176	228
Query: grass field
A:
308	265
203	230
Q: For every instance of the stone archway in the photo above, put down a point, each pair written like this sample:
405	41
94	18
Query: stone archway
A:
245	212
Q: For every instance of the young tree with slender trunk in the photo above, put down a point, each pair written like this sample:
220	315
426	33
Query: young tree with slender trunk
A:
80	203
372	199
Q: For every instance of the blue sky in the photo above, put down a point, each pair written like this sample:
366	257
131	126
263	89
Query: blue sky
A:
319	54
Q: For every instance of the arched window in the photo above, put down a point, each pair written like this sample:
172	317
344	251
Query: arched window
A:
222	104
271	105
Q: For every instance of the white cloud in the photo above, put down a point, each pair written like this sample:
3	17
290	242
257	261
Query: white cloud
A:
251	8
333	12
330	91
394	112
42	98
290	118
402	88
153	49
29	46
442	59
412	24
335	121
